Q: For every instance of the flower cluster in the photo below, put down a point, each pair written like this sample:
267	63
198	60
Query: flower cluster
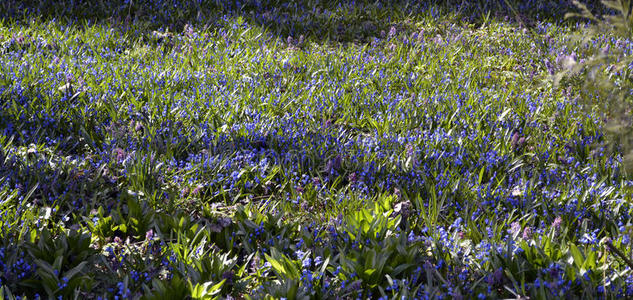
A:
305	148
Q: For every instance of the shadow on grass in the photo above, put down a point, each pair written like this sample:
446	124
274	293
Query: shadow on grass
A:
317	20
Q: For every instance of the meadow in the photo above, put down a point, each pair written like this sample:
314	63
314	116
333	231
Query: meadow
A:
311	149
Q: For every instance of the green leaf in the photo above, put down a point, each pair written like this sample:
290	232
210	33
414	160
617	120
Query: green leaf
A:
590	261
577	255
276	265
369	272
72	272
44	266
206	290
481	174
325	265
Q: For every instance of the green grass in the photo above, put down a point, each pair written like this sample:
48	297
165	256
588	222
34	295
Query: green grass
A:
379	151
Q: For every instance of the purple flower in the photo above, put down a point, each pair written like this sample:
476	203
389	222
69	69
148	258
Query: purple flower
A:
515	228
392	32
495	278
438	39
550	67
410	150
197	190
527	233
149	234
228	275
353	178
514	140
119	154
334	164
517	141
420	36
557	223
306	262
188	30
184	193
139	127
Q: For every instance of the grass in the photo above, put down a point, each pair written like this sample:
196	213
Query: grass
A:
272	150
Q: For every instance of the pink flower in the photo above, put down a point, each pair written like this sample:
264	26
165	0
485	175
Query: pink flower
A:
410	150
515	140
527	233
196	190
119	154
557	223
392	32
515	228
